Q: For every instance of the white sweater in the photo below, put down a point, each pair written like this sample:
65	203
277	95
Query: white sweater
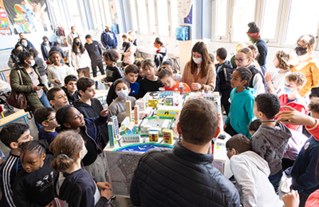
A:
251	173
80	60
59	73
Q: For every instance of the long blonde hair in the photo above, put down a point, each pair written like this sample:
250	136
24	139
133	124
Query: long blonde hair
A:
249	54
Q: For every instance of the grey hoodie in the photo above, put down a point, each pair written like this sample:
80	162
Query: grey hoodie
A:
271	144
251	173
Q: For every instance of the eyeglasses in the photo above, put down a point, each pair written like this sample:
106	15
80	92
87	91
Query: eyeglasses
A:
53	119
239	60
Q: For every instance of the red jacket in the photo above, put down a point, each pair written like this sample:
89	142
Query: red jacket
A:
299	106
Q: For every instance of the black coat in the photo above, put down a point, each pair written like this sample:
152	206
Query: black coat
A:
223	77
93	111
180	177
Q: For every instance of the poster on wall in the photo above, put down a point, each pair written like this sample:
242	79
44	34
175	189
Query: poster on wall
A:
185	12
4	22
28	15
113	12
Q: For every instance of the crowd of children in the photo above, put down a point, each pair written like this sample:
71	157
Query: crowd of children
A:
272	134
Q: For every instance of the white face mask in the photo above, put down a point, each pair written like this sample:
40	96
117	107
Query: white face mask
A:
197	60
122	94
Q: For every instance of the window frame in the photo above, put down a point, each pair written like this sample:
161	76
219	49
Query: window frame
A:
227	36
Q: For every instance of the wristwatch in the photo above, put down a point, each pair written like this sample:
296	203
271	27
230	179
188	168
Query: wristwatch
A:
201	86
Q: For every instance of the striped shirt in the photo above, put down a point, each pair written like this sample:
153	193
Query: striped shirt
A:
7	174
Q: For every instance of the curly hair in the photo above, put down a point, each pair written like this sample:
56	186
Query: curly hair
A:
283	59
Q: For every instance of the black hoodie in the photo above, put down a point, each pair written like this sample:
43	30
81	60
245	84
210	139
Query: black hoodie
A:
79	189
37	188
223	77
92	112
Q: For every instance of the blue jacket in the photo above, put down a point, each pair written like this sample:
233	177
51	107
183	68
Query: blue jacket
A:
44	51
109	39
241	111
304	173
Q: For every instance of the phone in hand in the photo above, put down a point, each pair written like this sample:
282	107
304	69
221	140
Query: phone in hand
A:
41	84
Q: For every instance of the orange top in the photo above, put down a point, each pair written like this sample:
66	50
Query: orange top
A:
311	71
176	88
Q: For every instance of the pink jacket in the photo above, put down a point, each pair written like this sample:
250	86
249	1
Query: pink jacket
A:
129	55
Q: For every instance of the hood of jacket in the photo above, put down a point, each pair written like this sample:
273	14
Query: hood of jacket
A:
228	64
277	135
254	159
249	91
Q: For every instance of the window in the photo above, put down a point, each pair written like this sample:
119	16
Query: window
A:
220	17
107	12
151	14
75	17
58	14
98	23
270	19
142	17
174	16
134	15
243	13
162	15
302	19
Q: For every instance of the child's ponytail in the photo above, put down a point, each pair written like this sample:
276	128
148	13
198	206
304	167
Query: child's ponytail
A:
65	147
245	74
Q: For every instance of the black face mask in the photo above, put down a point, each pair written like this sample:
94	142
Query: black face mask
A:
301	51
77	44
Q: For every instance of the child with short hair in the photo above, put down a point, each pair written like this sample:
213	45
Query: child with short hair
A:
271	139
58	71
150	82
242	103
128	51
89	106
11	136
161	52
224	71
251	173
292	85
254	126
112	71
276	83
70	89
46	117
118	107
244	58
34	185
131	75
304	173
167	78
69	150
169	65
141	74
57	98
70	118
171	168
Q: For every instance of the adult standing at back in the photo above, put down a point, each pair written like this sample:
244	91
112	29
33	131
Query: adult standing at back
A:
80	58
72	35
22	36
46	47
95	52
307	64
199	73
108	38
254	36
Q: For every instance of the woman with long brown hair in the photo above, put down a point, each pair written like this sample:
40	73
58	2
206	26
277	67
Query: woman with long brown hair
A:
199	73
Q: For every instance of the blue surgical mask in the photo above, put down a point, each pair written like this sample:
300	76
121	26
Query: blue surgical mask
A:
288	90
24	44
32	63
122	94
86	151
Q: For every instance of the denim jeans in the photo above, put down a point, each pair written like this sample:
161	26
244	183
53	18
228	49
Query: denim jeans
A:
275	179
45	103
